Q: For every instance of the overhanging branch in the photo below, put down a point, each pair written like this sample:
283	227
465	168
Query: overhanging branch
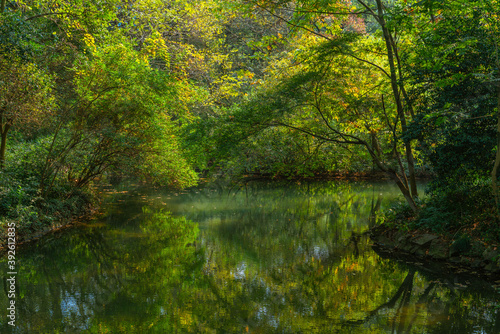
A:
49	14
344	140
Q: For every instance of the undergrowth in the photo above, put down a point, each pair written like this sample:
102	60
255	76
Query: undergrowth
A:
461	209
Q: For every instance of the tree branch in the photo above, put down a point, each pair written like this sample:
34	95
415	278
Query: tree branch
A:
49	14
355	141
292	24
370	10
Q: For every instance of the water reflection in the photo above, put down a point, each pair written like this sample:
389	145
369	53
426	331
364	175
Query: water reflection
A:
261	258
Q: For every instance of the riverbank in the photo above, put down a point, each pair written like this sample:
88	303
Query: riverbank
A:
25	237
455	225
38	217
372	175
456	254
30	216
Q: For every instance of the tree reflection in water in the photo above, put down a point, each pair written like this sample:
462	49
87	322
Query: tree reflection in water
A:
265	259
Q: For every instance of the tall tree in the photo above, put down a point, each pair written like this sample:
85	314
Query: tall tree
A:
453	72
26	98
338	24
118	84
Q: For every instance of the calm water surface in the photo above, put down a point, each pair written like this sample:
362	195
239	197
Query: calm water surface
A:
260	258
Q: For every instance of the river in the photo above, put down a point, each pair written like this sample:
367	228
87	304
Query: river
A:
265	257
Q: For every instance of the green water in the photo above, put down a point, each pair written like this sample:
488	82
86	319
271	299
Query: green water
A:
260	258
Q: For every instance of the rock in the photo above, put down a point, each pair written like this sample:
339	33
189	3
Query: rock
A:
419	251
477	263
401	237
424	239
492	267
490	255
408	247
477	249
438	249
462	253
385	241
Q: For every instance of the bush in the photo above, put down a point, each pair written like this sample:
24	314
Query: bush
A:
434	219
20	199
451	208
399	214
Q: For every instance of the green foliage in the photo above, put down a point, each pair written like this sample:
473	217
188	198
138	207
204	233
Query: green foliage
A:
455	97
20	198
309	116
462	244
398	215
165	162
26	98
467	207
89	88
452	68
126	108
32	213
17	36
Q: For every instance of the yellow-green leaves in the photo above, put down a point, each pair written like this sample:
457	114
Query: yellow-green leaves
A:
26	97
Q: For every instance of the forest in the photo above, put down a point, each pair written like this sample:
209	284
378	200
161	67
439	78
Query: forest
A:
178	92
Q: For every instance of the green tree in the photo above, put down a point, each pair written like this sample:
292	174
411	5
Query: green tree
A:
452	71
352	85
112	100
26	98
123	108
452	89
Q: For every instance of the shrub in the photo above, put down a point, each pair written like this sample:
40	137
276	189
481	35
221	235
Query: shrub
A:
452	207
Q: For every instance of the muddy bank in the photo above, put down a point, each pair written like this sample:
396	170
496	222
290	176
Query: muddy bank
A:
441	253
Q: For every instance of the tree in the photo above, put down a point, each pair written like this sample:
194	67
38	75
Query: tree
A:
335	34
26	98
453	71
118	92
123	111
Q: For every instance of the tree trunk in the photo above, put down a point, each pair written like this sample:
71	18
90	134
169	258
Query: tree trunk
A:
44	172
393	175
494	172
397	98
3	144
404	190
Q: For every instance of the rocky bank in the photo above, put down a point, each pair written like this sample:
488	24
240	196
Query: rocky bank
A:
451	253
